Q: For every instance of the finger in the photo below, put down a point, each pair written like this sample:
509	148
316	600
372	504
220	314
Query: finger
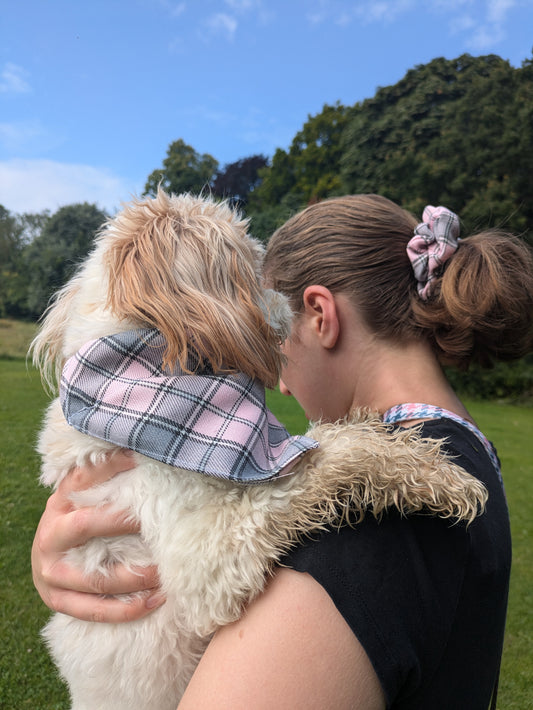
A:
120	580
90	607
76	527
91	474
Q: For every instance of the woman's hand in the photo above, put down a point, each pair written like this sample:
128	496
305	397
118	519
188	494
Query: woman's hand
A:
66	589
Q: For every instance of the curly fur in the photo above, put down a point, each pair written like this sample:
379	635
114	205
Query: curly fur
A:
215	542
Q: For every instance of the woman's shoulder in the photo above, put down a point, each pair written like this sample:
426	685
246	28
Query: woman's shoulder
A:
290	649
468	447
396	580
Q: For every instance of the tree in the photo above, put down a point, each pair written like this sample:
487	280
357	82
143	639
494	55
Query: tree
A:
277	181
264	222
454	132
237	180
16	232
10	237
55	253
11	245
33	224
309	171
184	170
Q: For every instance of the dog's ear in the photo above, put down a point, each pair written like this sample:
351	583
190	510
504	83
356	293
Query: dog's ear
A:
46	348
186	266
278	312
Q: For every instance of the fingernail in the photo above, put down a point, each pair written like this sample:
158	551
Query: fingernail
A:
155	600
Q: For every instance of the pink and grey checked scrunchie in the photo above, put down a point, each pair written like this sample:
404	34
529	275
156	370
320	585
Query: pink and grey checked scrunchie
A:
434	241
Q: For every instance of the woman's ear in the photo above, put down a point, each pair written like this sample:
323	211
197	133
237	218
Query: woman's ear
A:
321	308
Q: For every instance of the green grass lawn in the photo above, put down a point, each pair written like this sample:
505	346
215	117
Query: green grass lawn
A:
15	337
27	677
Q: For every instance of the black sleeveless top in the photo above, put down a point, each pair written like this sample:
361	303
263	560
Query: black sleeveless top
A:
426	598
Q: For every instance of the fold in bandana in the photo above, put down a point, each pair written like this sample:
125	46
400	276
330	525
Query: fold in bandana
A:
115	389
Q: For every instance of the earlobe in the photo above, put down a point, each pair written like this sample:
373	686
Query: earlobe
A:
320	306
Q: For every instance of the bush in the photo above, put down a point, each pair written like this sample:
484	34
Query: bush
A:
511	381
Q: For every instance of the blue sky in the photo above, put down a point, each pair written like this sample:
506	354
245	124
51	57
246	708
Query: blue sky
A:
93	92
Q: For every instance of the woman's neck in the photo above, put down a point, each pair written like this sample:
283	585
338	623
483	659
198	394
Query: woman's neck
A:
390	373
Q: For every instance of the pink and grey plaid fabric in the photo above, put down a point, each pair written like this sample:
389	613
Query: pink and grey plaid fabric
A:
434	241
115	389
416	410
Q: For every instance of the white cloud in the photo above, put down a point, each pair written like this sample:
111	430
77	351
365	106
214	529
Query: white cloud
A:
490	15
485	37
13	80
343	19
241	4
450	5
220	23
14	136
375	11
177	10
174	9
364	12
497	10
387	11
37	185
482	22
316	18
483	26
462	23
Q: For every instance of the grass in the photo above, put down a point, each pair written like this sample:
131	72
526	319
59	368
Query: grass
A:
511	429
28	678
15	337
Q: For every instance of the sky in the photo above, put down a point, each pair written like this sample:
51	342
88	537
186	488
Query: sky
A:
93	92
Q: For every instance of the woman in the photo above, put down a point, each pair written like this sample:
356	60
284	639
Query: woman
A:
400	613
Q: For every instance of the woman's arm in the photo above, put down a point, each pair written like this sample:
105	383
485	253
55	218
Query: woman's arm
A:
291	649
68	590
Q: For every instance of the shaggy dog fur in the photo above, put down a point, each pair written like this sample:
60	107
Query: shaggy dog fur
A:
187	267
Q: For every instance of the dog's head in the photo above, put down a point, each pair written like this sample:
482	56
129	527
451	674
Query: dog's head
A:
186	266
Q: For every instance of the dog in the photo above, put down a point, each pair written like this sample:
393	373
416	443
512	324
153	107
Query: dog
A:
180	276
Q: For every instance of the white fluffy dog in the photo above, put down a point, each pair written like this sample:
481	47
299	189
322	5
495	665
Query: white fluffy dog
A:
187	268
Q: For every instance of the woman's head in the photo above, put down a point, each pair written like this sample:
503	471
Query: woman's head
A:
356	245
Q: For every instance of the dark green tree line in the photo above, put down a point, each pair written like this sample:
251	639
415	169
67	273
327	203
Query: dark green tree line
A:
39	252
457	132
12	287
53	256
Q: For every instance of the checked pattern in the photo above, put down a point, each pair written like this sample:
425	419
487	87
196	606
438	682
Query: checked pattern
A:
115	389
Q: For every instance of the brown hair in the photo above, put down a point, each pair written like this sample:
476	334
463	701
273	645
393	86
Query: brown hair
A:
481	306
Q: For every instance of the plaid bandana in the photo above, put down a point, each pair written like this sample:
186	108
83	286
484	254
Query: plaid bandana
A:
115	389
434	241
403	412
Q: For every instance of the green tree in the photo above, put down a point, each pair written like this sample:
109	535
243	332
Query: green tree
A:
277	180
55	253
184	170
16	232
33	224
264	222
309	171
11	246
455	132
